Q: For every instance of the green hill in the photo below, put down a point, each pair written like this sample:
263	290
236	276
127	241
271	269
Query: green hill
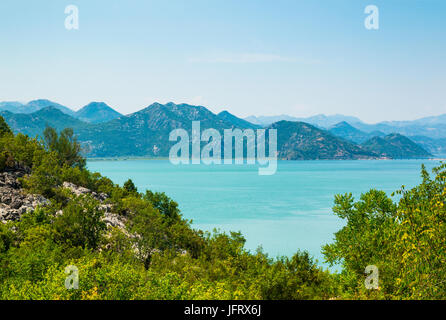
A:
33	124
302	141
395	146
348	132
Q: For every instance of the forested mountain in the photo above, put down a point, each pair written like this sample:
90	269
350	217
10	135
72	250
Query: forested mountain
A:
431	131
34	123
146	133
431	141
395	146
302	141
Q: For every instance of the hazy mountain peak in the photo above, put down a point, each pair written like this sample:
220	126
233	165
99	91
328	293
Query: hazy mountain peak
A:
346	131
10	103
319	120
236	121
35	105
343	124
97	112
45	102
96	104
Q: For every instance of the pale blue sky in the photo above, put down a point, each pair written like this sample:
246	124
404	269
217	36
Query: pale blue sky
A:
249	57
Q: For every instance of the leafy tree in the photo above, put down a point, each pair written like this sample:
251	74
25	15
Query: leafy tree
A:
4	128
65	145
81	223
149	225
45	176
130	187
160	256
406	241
164	205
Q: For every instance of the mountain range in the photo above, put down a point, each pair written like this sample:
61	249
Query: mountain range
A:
106	133
435	146
345	130
320	120
430	127
94	112
303	141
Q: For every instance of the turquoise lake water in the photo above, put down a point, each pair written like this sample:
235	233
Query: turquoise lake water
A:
282	213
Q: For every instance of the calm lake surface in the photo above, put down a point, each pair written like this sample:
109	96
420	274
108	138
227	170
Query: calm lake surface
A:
282	213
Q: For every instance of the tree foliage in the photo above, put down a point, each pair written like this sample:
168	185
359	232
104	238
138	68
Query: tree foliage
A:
159	255
405	240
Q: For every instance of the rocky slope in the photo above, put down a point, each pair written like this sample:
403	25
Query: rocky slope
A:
14	201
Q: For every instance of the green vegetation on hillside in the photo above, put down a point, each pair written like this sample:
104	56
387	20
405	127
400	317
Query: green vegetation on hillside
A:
395	146
146	133
157	255
302	141
405	240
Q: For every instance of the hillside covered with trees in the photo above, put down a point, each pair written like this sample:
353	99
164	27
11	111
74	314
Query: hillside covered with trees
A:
104	133
128	244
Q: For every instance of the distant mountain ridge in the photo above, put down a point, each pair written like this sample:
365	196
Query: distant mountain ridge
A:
320	120
433	127
348	132
146	132
33	106
225	115
94	112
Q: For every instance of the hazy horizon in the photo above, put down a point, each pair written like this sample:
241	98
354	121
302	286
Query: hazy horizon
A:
260	58
216	112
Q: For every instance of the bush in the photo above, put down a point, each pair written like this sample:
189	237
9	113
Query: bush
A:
81	224
405	241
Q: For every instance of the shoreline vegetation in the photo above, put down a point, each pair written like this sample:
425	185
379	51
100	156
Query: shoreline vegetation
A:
126	244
